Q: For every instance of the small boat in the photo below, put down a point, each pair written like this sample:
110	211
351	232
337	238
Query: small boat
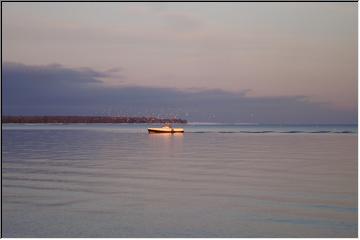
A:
167	128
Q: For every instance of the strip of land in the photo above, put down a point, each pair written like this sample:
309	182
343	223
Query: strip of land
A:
87	119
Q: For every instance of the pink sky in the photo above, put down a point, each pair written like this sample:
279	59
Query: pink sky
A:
267	49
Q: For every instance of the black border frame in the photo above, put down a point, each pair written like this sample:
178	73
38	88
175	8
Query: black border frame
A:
127	1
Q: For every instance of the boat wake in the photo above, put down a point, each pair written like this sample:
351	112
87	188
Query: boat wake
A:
288	132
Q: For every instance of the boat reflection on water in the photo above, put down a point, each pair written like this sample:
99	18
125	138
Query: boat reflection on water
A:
167	144
167	135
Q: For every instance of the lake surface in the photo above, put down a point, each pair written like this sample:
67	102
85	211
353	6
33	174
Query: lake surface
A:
115	180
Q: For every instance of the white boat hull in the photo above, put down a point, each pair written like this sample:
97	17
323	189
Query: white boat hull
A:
165	130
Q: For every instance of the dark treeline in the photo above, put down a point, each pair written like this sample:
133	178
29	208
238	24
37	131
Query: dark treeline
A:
87	119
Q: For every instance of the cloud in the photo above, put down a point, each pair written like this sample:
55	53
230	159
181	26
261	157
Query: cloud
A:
55	89
19	75
114	70
37	85
181	21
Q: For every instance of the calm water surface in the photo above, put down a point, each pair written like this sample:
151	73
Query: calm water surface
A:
213	181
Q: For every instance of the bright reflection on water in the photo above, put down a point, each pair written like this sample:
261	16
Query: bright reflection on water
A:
103	183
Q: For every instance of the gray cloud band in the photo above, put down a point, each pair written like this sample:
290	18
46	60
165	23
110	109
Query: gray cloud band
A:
59	90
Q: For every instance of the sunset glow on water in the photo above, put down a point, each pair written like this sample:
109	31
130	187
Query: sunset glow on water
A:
101	181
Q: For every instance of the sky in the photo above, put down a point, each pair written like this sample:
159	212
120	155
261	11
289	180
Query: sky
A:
212	62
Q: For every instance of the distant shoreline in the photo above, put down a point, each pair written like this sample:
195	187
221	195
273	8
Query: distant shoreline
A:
88	119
